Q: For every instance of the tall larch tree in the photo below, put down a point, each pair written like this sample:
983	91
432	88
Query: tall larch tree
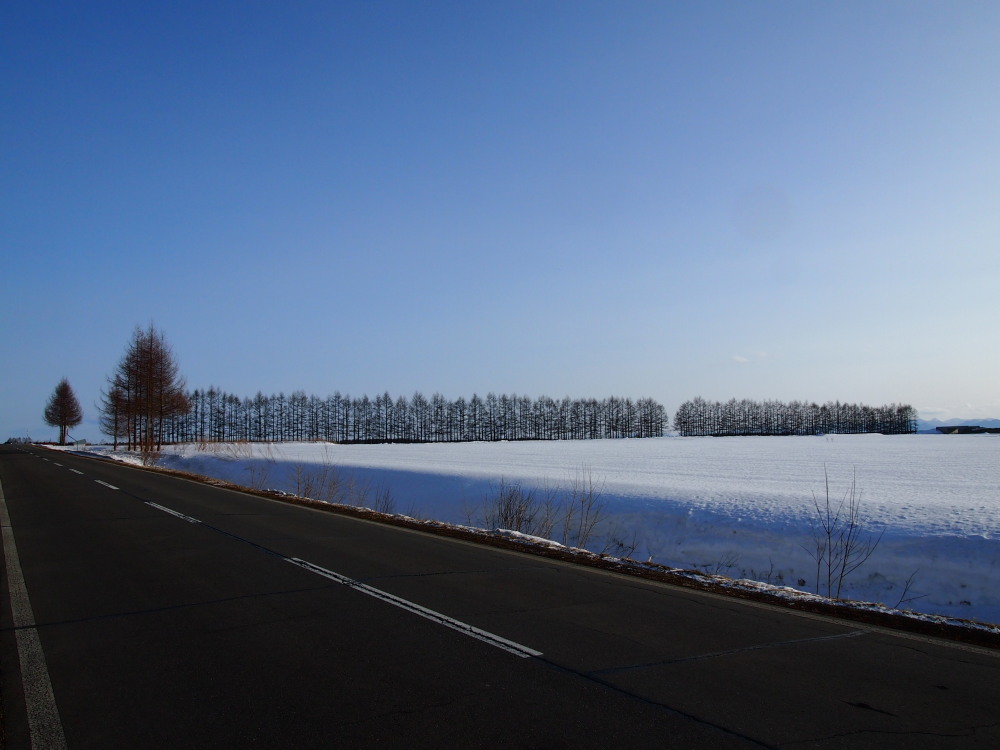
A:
63	410
145	390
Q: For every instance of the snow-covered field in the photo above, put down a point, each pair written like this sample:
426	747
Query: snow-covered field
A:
742	507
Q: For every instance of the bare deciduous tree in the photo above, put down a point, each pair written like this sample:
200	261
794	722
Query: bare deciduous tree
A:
585	509
840	543
63	410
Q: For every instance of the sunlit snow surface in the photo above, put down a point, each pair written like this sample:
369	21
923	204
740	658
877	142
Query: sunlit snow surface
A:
743	507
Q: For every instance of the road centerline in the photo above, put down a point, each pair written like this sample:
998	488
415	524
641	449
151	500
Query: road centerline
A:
449	622
174	513
472	631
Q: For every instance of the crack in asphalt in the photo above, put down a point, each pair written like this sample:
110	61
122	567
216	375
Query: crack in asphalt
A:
869	707
432	574
959	733
636	696
730	652
174	607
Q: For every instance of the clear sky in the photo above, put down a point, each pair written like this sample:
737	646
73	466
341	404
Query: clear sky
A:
790	200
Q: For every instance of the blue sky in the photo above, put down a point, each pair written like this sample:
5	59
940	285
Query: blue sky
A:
728	199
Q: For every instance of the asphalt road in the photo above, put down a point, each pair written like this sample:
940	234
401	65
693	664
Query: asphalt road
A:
146	611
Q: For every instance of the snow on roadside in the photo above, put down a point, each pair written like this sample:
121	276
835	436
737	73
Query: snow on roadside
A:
740	507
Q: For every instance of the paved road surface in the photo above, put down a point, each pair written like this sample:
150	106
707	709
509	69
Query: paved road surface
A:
145	611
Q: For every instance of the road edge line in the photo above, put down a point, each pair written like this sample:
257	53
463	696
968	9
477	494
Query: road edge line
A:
44	724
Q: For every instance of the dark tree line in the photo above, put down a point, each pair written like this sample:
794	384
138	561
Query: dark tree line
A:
746	417
218	416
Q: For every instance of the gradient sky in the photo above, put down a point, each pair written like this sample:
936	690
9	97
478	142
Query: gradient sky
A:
790	200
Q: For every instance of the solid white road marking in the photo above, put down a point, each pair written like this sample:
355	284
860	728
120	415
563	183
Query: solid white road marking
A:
173	513
109	486
494	640
44	725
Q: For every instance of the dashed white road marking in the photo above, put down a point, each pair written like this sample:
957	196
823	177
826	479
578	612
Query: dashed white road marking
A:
77	472
173	513
109	486
449	622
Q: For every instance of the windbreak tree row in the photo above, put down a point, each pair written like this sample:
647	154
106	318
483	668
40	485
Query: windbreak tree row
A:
746	417
216	416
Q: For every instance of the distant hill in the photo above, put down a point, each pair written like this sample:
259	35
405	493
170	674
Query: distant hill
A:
931	425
